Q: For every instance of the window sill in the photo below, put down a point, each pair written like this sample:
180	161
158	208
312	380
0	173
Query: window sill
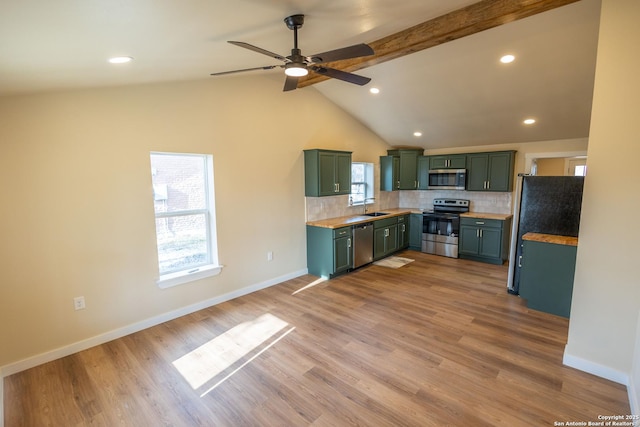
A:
182	277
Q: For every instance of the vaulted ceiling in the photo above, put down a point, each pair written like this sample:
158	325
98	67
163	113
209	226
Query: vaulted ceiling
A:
455	92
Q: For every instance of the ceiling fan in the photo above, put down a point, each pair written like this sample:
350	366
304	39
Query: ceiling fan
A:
296	65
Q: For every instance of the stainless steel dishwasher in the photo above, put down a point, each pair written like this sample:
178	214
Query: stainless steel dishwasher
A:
362	244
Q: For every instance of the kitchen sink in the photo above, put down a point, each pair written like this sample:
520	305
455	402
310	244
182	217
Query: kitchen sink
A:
376	213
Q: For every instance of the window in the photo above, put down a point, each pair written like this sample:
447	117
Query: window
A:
185	217
361	182
577	167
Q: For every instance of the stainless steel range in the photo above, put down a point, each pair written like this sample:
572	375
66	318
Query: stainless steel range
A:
441	227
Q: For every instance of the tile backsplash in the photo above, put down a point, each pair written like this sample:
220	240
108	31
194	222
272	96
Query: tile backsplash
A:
491	202
336	206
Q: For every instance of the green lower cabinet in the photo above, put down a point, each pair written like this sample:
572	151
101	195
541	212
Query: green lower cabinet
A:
385	237
342	254
546	276
404	228
329	251
415	232
484	240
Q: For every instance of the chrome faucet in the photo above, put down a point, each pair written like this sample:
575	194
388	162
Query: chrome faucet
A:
364	203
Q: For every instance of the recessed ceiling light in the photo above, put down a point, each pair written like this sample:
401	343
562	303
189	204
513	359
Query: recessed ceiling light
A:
120	59
374	90
506	59
529	121
417	134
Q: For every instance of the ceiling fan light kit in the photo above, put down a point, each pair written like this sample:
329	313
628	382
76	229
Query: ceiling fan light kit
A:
296	65
295	69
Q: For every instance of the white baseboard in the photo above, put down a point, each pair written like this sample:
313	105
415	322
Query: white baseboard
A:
595	368
135	327
609	374
634	398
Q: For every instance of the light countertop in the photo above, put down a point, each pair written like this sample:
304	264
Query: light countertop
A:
551	238
345	221
485	215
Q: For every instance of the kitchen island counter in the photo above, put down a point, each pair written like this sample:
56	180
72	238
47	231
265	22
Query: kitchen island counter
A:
551	238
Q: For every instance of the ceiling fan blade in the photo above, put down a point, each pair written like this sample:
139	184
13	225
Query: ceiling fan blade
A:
342	75
355	51
268	67
259	50
291	83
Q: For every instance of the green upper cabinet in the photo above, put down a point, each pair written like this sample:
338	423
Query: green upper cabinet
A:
389	173
423	172
449	161
409	169
399	169
490	171
327	172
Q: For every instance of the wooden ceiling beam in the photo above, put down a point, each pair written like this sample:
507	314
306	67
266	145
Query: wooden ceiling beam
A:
462	22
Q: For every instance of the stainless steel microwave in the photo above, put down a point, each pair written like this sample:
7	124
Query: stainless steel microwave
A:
447	179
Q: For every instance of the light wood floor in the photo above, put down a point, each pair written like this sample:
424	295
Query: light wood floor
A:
435	343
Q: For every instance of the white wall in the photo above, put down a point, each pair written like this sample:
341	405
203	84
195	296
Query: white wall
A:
77	215
606	295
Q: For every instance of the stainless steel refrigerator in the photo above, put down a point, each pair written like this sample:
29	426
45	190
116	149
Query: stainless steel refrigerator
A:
544	204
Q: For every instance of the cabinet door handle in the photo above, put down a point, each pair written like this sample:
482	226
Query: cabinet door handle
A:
520	261
415	184
348	243
481	233
480	222
488	185
477	232
338	187
386	232
398	185
403	228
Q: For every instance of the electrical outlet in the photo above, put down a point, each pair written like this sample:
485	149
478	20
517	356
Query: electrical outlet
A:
270	256
78	303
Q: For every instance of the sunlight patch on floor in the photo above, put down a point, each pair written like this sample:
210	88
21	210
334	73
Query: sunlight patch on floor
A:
210	359
226	377
310	285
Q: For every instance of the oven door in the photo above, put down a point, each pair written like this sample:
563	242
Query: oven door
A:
440	234
441	224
